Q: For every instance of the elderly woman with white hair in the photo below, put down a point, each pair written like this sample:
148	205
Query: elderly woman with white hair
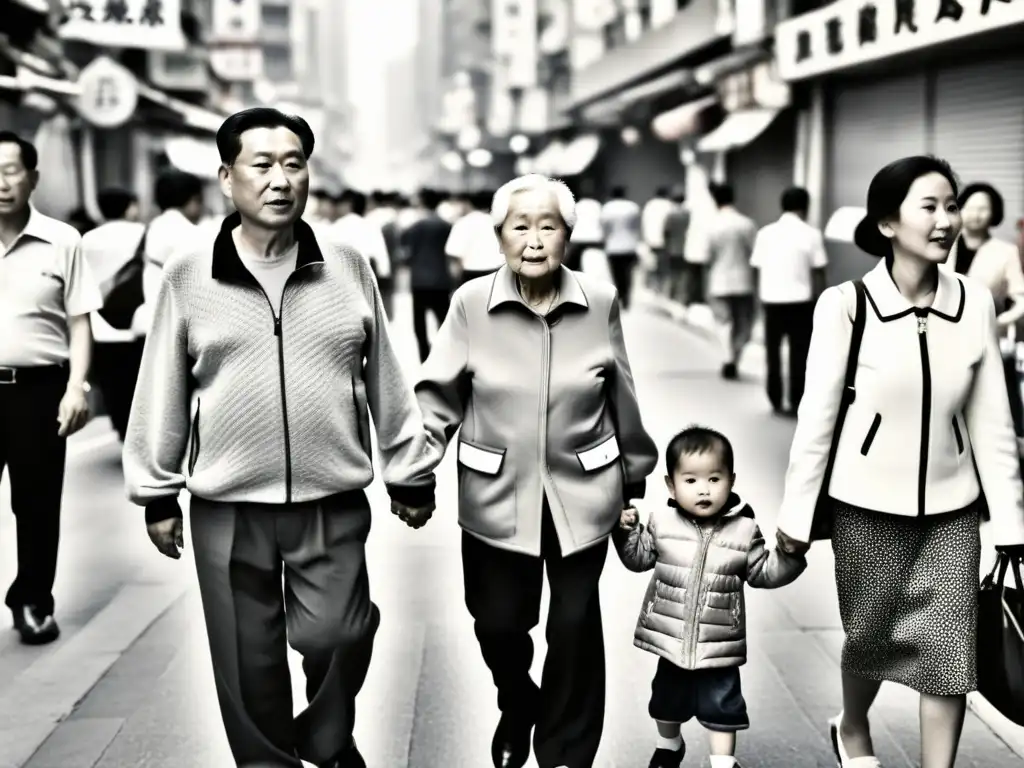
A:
531	364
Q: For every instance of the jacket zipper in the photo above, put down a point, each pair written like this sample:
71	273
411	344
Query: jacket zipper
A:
278	332
926	407
542	435
705	545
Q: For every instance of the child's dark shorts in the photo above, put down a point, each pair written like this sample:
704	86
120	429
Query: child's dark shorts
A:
713	696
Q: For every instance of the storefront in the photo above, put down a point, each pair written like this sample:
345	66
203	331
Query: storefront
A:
901	80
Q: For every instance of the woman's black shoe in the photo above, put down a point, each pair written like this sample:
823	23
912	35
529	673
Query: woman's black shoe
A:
511	745
667	758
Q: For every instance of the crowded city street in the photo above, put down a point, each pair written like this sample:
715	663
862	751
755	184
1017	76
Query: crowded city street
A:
130	684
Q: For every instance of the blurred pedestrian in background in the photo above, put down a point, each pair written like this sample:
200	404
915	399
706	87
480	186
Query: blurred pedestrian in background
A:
430	273
620	221
996	263
472	244
117	353
790	259
730	278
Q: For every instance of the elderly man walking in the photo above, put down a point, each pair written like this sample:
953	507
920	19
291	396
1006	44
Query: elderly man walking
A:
268	345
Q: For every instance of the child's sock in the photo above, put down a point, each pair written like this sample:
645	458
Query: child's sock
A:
723	761
673	745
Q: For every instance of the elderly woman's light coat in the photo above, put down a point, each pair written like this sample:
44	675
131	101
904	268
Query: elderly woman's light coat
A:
546	405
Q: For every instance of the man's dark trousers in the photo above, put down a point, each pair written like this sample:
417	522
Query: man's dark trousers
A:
34	455
503	592
793	323
325	613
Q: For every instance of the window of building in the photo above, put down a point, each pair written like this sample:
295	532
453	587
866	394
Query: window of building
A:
275	17
277	63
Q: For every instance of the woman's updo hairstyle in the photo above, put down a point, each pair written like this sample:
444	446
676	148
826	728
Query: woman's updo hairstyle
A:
886	193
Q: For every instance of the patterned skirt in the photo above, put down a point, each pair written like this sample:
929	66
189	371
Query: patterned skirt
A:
908	597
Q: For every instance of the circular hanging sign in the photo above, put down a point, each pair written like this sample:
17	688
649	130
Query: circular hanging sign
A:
109	95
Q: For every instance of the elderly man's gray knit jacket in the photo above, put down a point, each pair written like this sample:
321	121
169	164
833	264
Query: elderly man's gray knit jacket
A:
239	406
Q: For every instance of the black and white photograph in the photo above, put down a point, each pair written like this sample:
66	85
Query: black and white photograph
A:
512	383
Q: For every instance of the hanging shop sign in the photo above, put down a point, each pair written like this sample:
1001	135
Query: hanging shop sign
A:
850	32
515	41
109	94
153	25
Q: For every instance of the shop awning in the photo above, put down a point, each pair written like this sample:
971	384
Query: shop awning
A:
738	130
195	156
193	115
682	120
731	63
578	155
690	31
27	80
549	158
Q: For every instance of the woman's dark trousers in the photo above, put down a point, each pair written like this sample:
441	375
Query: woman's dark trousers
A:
503	593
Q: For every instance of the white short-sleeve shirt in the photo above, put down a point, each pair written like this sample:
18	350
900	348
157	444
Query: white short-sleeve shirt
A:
44	281
786	252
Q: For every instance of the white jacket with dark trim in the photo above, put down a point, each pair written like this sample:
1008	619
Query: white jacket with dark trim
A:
931	402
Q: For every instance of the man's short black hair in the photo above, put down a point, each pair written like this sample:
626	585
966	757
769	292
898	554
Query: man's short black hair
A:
722	194
796	200
482	200
430	198
618	192
29	154
176	189
355	200
695	440
114	202
229	137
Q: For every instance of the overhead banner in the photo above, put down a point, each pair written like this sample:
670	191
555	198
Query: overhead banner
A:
850	32
153	25
515	41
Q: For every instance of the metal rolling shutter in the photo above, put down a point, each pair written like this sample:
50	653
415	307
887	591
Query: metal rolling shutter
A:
872	124
979	128
760	171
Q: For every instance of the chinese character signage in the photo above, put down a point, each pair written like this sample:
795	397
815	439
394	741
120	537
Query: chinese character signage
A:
153	25
851	32
515	41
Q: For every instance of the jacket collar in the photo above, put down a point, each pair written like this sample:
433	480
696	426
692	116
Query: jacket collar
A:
734	507
889	304
505	291
228	266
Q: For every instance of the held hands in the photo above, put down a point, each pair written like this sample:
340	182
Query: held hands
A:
73	411
629	519
412	516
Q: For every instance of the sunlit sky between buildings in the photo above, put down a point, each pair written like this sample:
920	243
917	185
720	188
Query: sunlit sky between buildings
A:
378	32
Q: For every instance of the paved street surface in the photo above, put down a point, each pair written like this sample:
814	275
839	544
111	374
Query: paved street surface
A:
132	622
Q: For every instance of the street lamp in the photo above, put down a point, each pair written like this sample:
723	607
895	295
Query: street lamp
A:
519	143
479	158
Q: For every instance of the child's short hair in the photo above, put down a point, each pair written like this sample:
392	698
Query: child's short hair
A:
697	439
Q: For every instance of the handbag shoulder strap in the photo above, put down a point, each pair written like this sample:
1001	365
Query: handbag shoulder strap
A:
856	337
849	390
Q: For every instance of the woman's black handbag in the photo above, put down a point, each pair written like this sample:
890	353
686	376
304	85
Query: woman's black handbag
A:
824	511
1001	639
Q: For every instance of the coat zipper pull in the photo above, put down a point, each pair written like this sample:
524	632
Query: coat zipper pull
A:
277	326
922	324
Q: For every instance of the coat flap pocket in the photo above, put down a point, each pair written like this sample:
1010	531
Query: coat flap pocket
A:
601	455
485	460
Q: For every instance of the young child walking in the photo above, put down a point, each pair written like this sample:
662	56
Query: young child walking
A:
705	545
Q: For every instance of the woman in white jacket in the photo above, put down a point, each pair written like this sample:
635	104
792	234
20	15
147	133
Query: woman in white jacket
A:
928	418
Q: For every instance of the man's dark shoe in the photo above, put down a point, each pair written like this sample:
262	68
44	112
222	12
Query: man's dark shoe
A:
729	372
667	758
511	745
35	627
